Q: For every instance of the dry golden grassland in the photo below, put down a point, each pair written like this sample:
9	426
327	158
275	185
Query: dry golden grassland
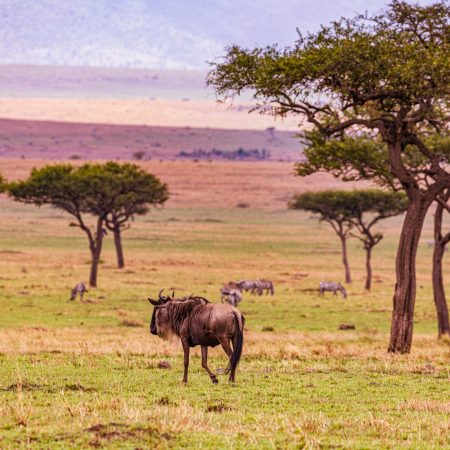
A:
80	375
159	112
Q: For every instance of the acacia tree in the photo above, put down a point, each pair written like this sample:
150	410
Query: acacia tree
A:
135	191
78	191
334	208
389	75
357	210
368	207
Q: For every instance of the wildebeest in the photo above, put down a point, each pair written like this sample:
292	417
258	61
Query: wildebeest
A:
331	286
196	321
231	296
78	289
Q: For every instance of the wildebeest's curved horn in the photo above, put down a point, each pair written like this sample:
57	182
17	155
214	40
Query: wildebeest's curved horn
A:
159	295
173	294
153	302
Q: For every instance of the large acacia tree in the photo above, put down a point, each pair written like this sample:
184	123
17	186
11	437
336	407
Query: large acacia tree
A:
134	191
388	75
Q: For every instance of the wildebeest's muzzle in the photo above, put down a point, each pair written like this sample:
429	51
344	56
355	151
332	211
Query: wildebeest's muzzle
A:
153	329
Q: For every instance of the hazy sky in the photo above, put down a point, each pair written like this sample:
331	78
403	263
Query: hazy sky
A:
155	33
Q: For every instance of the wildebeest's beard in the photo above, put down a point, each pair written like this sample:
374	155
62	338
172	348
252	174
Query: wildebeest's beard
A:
153	329
160	324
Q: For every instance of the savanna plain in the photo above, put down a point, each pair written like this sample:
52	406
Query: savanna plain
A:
86	374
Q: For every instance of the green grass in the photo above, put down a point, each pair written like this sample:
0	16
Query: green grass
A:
62	401
72	375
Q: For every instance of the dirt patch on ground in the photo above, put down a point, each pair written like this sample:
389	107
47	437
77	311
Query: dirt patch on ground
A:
104	433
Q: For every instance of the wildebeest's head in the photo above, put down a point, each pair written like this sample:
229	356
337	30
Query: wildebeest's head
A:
159	323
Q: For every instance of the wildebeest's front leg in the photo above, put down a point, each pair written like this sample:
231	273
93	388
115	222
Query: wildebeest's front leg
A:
205	364
186	359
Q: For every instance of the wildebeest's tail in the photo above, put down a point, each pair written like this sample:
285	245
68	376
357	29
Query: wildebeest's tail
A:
238	343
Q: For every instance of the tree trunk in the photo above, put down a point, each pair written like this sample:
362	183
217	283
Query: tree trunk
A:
343	238
118	245
96	250
405	267
438	284
368	268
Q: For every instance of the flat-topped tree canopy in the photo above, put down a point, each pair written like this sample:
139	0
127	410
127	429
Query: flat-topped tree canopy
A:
113	193
364	157
349	206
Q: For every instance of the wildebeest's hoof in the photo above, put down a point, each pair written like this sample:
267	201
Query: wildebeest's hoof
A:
214	380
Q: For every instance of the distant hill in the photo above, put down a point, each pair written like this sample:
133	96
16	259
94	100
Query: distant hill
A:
94	82
155	33
63	140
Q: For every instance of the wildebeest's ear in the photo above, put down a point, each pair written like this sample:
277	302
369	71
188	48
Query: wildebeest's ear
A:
173	294
153	302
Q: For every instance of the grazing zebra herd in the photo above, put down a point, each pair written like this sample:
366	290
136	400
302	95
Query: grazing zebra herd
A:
232	291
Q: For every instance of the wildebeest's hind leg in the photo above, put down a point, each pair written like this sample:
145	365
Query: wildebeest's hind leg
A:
186	359
233	369
205	364
226	345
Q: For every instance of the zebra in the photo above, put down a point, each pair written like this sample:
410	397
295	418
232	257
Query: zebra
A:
265	285
256	286
246	285
231	296
431	245
78	289
331	286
